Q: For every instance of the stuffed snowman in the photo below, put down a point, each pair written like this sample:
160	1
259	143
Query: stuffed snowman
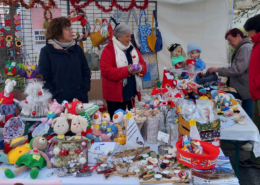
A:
118	117
105	121
106	117
97	118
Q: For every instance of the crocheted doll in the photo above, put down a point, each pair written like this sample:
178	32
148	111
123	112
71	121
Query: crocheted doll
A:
60	126
177	55
78	125
76	107
194	52
98	134
32	159
7	102
54	110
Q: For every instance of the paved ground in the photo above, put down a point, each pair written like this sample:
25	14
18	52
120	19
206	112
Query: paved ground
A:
247	176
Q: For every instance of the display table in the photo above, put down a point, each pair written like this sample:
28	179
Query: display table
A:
247	131
94	179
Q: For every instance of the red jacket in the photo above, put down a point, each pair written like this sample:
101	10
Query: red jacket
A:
254	68
112	77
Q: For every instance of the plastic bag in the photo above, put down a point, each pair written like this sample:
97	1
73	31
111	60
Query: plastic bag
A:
187	107
205	108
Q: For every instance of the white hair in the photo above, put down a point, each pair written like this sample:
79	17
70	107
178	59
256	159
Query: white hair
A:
122	29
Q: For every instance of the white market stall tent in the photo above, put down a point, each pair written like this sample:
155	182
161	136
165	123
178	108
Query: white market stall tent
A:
201	22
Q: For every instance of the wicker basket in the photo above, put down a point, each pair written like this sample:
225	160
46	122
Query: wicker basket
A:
152	129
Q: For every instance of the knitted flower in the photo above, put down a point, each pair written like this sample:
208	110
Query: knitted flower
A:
170	103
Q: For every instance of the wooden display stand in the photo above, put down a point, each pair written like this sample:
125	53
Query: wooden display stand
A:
131	152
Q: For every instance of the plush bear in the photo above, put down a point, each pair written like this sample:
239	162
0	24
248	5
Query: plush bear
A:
32	159
60	126
54	111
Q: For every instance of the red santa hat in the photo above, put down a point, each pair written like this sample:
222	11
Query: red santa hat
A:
72	106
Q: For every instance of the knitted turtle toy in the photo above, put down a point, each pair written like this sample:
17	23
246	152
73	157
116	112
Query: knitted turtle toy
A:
32	159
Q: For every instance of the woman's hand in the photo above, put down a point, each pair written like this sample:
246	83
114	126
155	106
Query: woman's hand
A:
130	71
212	70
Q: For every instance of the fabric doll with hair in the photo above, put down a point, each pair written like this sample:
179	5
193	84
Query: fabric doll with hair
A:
194	53
177	55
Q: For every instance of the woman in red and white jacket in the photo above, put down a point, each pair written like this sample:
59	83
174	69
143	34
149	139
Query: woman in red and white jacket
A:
121	77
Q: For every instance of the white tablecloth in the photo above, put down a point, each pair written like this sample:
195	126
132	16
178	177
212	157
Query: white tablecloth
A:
95	179
246	132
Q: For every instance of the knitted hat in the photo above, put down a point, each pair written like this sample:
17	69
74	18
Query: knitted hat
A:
193	47
72	109
172	47
120	110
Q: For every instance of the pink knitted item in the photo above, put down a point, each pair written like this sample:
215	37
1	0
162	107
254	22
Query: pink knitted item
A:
105	138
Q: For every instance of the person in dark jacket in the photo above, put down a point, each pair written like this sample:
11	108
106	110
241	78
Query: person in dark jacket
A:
63	64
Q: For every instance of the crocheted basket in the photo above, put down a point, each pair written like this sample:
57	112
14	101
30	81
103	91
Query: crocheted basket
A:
152	129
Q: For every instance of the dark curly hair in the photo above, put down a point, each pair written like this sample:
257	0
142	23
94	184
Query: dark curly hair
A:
55	27
253	23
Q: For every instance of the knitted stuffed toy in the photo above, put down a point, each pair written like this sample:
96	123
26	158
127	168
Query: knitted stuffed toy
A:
60	126
78	125
98	134
177	55
76	107
19	145
54	110
32	159
7	102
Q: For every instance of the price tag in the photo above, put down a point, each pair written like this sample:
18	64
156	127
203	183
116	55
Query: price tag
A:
108	129
129	116
27	145
192	122
163	137
36	157
77	137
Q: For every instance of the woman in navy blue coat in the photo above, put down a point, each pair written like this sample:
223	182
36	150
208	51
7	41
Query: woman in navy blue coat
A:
63	64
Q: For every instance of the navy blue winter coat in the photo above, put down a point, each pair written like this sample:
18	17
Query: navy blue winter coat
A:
65	72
